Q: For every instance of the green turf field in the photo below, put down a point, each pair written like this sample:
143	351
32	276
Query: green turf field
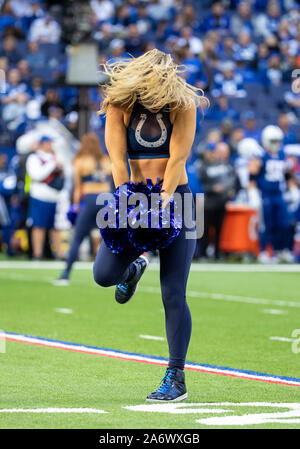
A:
234	315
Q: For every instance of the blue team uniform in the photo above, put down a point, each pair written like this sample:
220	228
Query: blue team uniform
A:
271	183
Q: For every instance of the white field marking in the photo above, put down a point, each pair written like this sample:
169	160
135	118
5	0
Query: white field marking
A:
292	415
176	408
66	311
148	359
154	266
204	295
51	410
282	339
24	277
222	297
274	311
151	337
2	344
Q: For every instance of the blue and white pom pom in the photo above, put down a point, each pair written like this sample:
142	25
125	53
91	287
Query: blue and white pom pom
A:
121	236
72	213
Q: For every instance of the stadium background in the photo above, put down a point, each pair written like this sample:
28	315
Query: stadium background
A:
242	53
69	354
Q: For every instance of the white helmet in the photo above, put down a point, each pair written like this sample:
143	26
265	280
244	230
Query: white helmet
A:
272	138
249	147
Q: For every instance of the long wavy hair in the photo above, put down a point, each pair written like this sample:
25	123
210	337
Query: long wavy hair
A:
90	146
153	79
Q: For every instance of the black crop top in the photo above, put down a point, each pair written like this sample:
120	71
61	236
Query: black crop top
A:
148	133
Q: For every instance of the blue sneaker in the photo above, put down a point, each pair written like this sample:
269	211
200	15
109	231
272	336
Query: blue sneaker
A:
172	387
125	291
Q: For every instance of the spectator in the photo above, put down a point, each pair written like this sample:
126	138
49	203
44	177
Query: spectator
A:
284	122
284	33
117	49
35	57
7	17
104	37
261	60
56	113
221	109
144	21
24	70
226	128
219	184
14	100
103	10
227	82
294	45
267	23
20	8
194	74
293	18
236	136
249	125
292	99
159	11
46	181
242	21
10	51
217	19
71	123
36	11
226	51
272	43
122	18
190	18
45	30
36	89
166	30
212	138
272	76
51	99
245	50
187	39
134	41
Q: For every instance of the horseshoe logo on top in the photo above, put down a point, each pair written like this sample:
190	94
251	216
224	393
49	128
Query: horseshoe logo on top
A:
156	143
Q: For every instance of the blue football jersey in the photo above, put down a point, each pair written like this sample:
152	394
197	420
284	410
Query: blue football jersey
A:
271	178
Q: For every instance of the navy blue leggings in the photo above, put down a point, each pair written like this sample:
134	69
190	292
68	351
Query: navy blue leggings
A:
86	221
175	262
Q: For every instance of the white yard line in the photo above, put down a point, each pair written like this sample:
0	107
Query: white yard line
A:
282	339
154	266
65	311
51	410
190	293
151	337
234	298
143	358
274	312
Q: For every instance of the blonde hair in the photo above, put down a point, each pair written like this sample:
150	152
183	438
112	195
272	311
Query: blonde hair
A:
153	79
90	146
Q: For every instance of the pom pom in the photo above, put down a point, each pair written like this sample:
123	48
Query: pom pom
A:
72	213
143	227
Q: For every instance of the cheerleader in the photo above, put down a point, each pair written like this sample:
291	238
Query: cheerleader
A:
91	177
151	118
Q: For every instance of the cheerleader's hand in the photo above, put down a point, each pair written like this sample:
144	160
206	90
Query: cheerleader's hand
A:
165	199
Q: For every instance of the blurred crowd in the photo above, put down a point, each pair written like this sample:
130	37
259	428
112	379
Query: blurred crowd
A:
244	54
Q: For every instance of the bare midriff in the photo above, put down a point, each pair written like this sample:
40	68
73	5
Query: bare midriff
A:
94	187
143	169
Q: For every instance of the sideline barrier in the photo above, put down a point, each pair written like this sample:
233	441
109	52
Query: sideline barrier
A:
240	230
